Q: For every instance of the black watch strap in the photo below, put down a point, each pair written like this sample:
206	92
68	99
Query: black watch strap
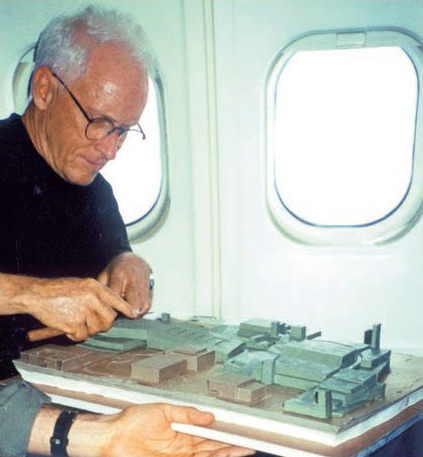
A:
59	440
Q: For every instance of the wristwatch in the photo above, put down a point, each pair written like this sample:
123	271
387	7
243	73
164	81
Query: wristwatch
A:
59	440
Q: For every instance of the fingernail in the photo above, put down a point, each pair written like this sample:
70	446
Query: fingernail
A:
137	313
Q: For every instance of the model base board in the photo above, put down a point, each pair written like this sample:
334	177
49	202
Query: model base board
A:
266	373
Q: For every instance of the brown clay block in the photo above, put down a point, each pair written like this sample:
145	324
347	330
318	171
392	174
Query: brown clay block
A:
62	358
197	359
231	378
202	361
226	384
237	387
252	393
158	368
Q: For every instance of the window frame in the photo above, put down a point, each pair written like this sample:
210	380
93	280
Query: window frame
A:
399	220
142	227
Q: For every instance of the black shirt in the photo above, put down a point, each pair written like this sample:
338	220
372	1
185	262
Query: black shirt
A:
49	227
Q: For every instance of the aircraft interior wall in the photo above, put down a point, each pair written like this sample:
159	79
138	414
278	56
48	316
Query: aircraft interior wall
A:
217	249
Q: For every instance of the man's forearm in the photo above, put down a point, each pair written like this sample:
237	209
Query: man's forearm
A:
12	291
42	430
86	434
78	307
27	421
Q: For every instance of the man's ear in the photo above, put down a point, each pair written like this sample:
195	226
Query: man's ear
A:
42	88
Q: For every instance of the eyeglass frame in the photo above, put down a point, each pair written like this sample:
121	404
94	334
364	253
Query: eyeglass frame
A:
120	130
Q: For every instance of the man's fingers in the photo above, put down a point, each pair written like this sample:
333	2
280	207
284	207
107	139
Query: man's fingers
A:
118	284
231	451
100	322
216	449
108	319
138	299
197	417
119	304
146	294
103	277
81	334
129	276
145	304
131	296
206	445
115	282
95	322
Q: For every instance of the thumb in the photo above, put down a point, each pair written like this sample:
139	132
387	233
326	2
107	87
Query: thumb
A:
187	415
103	277
197	417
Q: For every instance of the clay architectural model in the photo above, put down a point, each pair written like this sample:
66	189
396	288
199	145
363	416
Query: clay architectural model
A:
240	364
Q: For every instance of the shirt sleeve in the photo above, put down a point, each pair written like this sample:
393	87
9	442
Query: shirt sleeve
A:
19	404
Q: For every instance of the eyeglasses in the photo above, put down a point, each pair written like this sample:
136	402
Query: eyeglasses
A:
101	127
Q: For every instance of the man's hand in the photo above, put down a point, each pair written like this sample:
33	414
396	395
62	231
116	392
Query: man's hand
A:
129	276
78	307
145	431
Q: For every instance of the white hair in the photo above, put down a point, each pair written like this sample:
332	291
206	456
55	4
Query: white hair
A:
59	48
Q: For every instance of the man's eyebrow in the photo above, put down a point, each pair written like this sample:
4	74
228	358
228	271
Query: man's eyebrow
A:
99	115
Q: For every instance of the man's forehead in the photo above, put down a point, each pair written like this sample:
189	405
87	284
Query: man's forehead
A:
109	87
111	67
111	60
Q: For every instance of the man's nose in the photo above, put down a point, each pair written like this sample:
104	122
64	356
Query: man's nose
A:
110	145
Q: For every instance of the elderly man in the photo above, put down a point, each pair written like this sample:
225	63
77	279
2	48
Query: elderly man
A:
66	262
65	259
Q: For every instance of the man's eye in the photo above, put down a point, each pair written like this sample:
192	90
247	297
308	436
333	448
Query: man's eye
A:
103	124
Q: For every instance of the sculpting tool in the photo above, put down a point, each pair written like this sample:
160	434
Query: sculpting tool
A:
48	332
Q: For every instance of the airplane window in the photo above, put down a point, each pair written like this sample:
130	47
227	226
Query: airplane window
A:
136	173
344	126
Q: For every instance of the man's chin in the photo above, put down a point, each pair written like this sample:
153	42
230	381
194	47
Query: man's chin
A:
83	179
